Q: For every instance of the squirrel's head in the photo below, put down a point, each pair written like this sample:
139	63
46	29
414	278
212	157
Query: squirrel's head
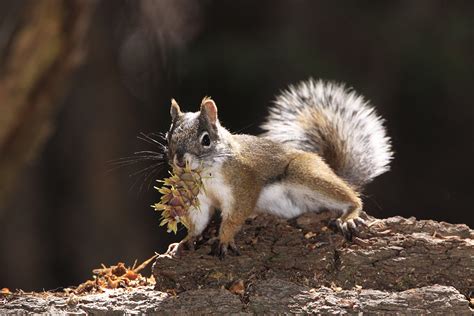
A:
193	136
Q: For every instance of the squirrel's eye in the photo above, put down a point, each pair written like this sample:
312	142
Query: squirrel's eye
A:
205	139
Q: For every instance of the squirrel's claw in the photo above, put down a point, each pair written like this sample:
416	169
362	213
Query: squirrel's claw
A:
176	249
234	249
220	249
349	228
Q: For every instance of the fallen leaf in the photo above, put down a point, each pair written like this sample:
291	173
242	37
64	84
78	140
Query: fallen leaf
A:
116	276
5	291
131	275
237	287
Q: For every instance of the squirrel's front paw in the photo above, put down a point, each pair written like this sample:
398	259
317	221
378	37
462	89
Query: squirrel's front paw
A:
221	249
176	249
348	228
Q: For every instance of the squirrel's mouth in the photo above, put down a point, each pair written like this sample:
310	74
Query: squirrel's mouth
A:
177	161
186	160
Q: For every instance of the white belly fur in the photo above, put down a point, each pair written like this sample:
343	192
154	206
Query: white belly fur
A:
200	217
289	200
216	194
217	191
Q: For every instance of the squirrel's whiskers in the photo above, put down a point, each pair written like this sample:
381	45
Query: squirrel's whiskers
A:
151	162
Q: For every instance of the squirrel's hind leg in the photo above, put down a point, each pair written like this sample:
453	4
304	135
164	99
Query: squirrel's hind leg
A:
310	172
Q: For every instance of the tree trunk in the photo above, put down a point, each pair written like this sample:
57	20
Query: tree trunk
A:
42	44
397	265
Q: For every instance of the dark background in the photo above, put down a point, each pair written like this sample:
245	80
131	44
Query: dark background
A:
412	59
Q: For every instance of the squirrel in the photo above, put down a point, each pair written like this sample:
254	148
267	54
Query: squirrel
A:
321	144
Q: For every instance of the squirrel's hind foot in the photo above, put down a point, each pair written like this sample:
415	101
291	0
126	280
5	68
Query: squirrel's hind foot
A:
348	228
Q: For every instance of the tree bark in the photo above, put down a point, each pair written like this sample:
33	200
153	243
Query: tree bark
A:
397	265
42	46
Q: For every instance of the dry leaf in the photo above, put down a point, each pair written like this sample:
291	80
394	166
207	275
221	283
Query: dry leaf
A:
117	276
237	287
5	291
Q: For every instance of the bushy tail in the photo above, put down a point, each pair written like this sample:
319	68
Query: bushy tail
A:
334	122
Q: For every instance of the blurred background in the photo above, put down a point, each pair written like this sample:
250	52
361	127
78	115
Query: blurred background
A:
79	80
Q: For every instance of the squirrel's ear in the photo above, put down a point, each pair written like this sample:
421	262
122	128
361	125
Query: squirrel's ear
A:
209	110
175	111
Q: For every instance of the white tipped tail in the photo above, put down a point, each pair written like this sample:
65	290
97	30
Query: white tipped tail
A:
334	122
